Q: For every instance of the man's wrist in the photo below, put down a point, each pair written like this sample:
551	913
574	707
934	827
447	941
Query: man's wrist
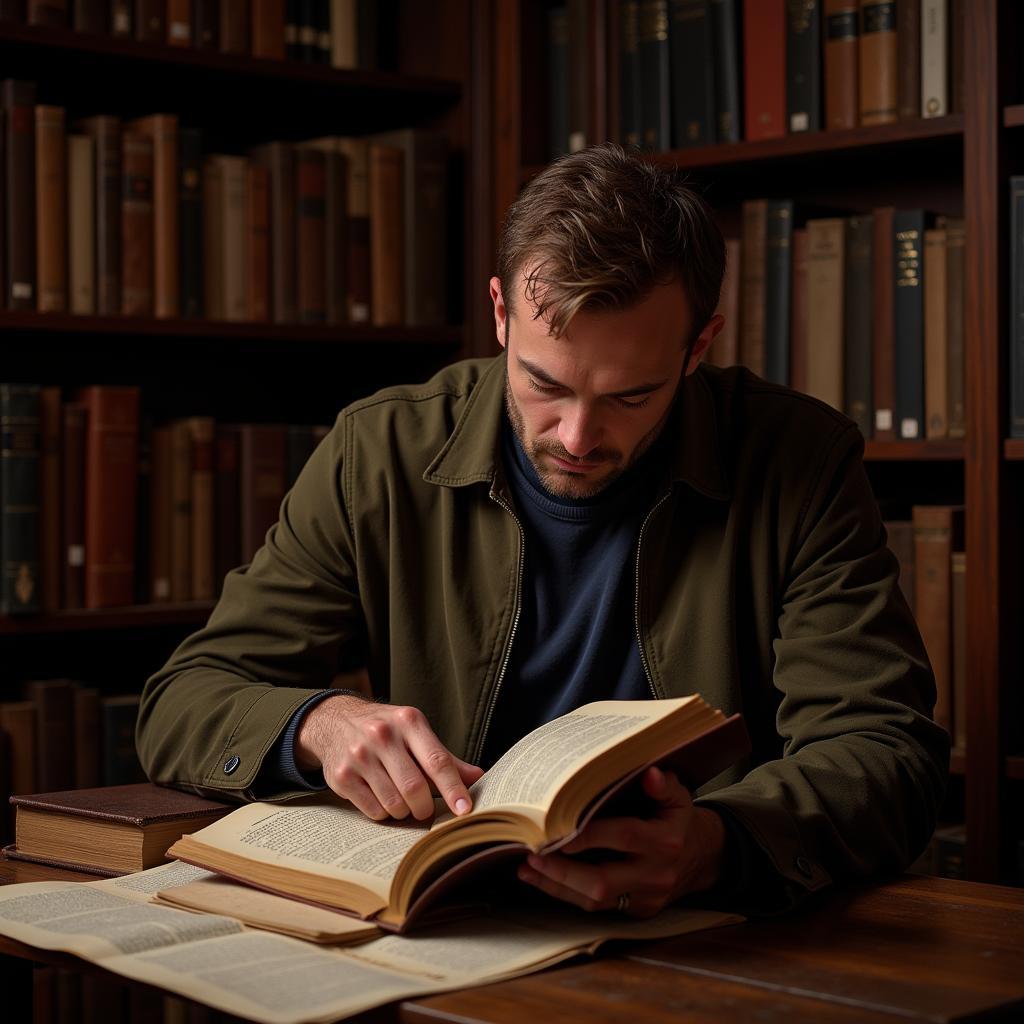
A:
308	742
713	838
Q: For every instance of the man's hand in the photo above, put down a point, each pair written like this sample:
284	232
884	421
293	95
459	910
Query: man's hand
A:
677	851
384	759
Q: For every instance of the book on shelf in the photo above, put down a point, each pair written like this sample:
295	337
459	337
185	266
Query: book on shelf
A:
111	830
537	796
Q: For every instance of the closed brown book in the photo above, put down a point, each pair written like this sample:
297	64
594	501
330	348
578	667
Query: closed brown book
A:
268	29
878	67
311	234
228	509
752	285
724	350
958	569
73	519
901	544
279	160
150	21
883	349
938	532
81	224
19	100
264	463
842	97
179	22
955	240
936	357
162	131
18	721
826	244
137	225
224	242
123	828
50	538
51	13
357	153
908	58
798	340
257	241
54	701
51	211
121	17
160	515
203	431
387	219
234	26
87	737
112	443
181	514
106	135
764	69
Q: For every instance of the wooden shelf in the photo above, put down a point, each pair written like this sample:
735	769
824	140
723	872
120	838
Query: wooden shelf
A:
914	451
1013	117
1013	448
189	613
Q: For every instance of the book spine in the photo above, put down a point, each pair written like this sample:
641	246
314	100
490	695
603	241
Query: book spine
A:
336	251
956	34
163	130
292	48
142	583
726	70
179	23
54	701
161	511
49	13
693	90
803	66
268	29
908	63
81	224
883	354
578	56
263	468
19	498
213	237
343	34
726	349
655	75
92	16
233	241
1017	306
121	19
778	264
227	506
49	498
279	159
558	81
181	511
190	223
150	25
203	431
752	285
908	321
137	225
825	279
19	104
426	231
955	241
387	218
205	25
18	721
87	737
878	62
357	153
630	117
73	476
51	211
106	132
798	318
311	235
234	26
936	358
934	83
367	24
857	322
764	69
841	89
257	229
323	32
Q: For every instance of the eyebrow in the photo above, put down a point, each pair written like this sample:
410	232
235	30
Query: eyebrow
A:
546	378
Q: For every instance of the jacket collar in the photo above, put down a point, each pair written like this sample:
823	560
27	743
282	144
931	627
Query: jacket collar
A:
471	453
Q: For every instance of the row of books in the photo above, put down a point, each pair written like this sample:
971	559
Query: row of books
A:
132	219
101	511
65	735
864	312
698	72
342	33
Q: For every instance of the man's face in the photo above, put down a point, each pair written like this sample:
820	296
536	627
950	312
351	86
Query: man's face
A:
587	405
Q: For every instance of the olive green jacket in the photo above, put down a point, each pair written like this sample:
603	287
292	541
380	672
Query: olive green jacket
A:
763	582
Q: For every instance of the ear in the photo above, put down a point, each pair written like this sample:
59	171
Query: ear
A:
704	339
500	313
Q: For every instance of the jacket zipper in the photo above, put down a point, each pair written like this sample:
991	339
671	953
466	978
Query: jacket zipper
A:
636	603
512	634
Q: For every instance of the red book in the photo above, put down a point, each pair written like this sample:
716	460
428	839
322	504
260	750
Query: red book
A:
764	66
111	464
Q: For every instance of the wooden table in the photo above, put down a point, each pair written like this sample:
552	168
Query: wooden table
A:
916	949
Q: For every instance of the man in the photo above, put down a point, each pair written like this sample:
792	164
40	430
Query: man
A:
592	514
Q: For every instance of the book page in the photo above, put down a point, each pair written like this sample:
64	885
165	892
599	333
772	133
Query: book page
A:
142	886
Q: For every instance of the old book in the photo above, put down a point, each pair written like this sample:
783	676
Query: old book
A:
357	156
878	62
725	349
557	54
162	130
224	197
87	737
143	500
292	49
119	759
190	223
18	721
778	273
842	96
908	322
764	69
344	34
137	225
693	80
726	62
655	75
50	540
278	158
955	240
91	16
798	340
826	251
936	355
536	797
234	26
883	347
630	115
263	469
934	67
73	505
203	433
752	284
227	546
161	512
81	224
123	828
111	460
387	235
857	322
205	25
959	608
257	243
336	246
908	59
150	25
179	23
311	234
181	511
268	29
938	532
51	211
579	74
901	543
106	135
54	701
19	499
19	99
803	66
51	13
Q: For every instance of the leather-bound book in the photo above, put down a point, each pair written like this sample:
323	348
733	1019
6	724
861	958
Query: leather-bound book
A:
958	595
268	29
120	828
387	235
878	62
121	17
842	97
798	339
54	701
803	66
883	349
257	241
279	159
778	273
857	322
764	69
50	539
162	130
137	225
203	431
908	59
955	241
111	460
227	546
179	22
630	115
234	26
106	135
190	222
205	25
19	499
936	347
311	234
752	284
357	155
150	21
579	74
725	350
51	211
934	59
92	16
73	519
161	510
263	483
224	241
693	83
655	75
323	32
19	99
18	721
908	321
214	260
50	13
181	514
938	532
826	251
344	34
901	544
726	62
81	224
336	249
87	737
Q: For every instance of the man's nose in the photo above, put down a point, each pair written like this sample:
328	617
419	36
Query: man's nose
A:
579	432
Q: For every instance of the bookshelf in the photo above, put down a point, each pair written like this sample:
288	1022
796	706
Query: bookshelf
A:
958	165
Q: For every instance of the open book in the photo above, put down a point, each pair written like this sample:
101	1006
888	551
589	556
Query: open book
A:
537	797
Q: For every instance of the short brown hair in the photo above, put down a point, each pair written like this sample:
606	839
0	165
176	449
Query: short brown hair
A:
600	228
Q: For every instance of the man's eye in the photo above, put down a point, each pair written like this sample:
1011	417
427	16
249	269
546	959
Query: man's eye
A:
636	404
540	387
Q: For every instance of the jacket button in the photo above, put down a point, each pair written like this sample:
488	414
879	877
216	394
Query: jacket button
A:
231	764
803	865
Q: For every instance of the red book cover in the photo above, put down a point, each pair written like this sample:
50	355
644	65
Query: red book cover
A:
764	67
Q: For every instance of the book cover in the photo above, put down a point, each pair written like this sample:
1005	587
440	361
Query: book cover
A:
73	510
693	82
936	347
908	322
842	94
54	702
883	348
826	252
726	70
752	284
19	499
50	539
878	78
857	322
268	29
387	235
137	225
630	115
798	340
764	69
778	272
190	223
955	241
106	134
278	158
803	66
19	99
311	234
51	211
655	75
908	59
934	68
257	252
81	229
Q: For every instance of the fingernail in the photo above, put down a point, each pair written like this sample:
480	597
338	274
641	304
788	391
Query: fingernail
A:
461	805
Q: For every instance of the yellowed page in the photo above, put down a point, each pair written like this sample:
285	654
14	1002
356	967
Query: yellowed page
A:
142	886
